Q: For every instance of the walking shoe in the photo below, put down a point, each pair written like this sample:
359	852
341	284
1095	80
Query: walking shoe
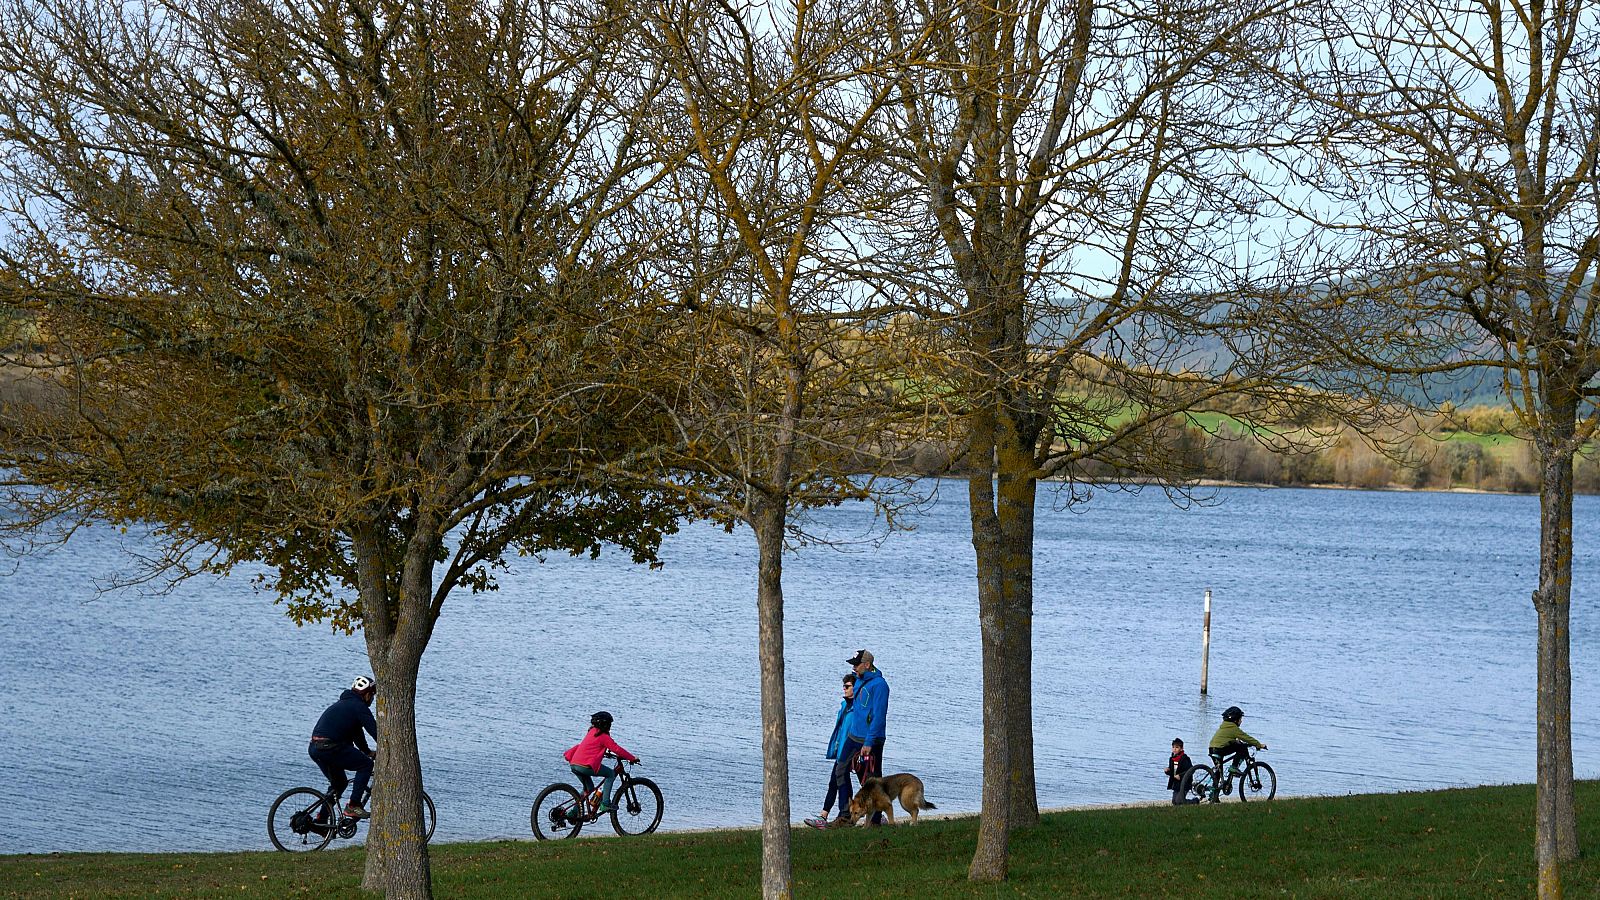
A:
355	811
818	822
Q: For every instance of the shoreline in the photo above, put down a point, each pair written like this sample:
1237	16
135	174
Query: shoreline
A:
902	822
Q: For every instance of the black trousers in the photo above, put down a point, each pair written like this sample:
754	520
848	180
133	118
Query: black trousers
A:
839	783
1231	750
334	761
875	770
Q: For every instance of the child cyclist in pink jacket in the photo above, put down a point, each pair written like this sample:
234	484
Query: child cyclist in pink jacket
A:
585	757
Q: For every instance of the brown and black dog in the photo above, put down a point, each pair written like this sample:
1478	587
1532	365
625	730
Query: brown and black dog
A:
877	794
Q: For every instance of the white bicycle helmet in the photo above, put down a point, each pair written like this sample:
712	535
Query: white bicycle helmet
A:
362	683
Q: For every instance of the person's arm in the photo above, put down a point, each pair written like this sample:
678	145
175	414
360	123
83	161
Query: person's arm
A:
369	722
1251	741
607	742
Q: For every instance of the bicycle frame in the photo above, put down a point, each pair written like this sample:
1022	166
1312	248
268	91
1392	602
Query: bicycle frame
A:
591	797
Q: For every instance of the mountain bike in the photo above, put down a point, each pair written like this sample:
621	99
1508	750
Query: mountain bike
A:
561	810
1256	780
304	819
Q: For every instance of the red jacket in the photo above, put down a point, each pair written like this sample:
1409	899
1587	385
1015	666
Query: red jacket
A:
590	750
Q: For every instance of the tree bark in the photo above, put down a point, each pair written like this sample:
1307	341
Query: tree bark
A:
991	859
396	632
776	883
1555	824
1018	489
397	799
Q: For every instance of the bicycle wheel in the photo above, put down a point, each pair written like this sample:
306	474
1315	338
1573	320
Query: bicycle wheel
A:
557	813
429	818
1201	781
301	819
637	807
1258	783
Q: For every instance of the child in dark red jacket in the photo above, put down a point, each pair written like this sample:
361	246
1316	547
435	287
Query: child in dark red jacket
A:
585	757
1177	767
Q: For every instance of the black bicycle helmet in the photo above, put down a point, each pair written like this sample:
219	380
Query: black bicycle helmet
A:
601	720
1232	714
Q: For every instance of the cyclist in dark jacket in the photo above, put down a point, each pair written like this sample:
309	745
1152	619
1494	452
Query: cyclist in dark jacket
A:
338	735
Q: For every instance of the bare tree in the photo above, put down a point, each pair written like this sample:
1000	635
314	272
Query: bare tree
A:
1077	168
777	402
1453	175
319	285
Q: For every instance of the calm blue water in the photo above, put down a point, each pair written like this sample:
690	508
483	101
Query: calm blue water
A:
1378	641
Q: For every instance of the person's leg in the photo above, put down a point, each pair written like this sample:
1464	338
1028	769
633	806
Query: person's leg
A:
821	820
608	773
585	777
841	773
349	759
1236	751
875	770
361	765
1226	757
332	771
841	782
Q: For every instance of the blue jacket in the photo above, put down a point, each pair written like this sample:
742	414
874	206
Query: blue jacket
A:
836	743
343	722
871	710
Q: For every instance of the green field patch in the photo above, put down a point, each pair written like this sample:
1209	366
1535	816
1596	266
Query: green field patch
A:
1459	843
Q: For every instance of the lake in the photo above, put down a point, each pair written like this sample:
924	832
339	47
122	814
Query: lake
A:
1377	641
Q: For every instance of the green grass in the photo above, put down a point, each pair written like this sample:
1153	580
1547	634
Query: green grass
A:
1462	843
1485	440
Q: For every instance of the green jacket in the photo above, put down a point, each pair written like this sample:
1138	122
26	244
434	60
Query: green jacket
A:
1230	731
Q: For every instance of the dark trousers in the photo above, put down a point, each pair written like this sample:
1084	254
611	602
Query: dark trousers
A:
833	792
334	761
875	770
839	783
1234	750
1180	794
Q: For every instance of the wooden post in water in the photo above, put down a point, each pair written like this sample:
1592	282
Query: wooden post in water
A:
1205	643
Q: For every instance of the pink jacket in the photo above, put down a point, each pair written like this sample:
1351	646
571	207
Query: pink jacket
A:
590	750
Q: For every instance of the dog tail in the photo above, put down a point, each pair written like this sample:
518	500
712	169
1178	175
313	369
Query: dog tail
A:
927	805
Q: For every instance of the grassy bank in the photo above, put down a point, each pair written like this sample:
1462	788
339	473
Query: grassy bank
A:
1458	843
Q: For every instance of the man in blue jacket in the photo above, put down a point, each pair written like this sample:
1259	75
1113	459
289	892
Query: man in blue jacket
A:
336	736
864	729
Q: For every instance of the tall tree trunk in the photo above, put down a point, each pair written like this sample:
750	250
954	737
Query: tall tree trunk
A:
397	798
1018	490
397	631
1555	825
775	871
991	860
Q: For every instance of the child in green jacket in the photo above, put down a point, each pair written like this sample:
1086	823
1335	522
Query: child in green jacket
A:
1230	742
